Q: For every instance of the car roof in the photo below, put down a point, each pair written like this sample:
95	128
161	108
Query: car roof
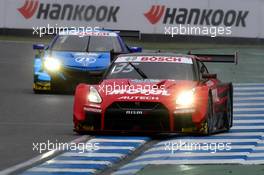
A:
81	31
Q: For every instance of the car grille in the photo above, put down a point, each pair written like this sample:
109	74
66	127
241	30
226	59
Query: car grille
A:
82	75
141	116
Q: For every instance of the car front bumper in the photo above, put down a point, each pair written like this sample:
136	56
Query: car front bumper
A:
156	120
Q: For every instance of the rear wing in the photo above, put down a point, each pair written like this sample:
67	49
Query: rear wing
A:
217	58
127	33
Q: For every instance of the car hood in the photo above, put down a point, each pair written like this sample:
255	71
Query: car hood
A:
151	88
83	60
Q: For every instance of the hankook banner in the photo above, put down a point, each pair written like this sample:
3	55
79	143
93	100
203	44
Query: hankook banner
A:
236	18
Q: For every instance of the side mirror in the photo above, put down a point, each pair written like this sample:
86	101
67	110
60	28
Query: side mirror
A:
209	76
38	46
135	49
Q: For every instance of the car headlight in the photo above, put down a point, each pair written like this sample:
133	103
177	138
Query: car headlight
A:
52	64
185	98
94	96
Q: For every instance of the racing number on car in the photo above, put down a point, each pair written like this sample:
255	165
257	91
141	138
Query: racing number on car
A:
124	68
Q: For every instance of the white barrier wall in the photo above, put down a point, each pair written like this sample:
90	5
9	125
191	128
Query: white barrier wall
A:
2	13
245	17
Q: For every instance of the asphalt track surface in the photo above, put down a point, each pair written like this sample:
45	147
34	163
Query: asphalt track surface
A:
27	118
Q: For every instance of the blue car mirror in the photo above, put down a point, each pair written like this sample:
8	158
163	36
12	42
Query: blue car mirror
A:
38	46
135	49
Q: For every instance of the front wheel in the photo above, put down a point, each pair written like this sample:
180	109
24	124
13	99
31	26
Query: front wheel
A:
228	115
58	86
208	126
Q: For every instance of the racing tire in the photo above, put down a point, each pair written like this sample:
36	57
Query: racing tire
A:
228	115
37	91
56	86
208	125
82	132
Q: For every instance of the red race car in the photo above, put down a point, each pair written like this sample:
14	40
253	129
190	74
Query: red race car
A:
156	92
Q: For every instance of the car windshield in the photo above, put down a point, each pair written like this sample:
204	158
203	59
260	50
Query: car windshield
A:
76	43
152	70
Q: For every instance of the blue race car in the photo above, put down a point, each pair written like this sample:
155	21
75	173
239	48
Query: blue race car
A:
76	57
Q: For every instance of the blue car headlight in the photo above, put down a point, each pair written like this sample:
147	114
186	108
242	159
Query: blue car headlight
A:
52	64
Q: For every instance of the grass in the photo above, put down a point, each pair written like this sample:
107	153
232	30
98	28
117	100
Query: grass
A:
26	39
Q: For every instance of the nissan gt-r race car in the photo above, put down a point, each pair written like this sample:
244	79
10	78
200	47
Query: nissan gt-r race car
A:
74	57
156	92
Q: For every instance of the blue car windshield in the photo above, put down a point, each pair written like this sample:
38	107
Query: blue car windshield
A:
75	43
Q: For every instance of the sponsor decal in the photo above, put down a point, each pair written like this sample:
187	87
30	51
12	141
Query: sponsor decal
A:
145	80
166	59
154	14
134	112
196	16
147	98
161	92
69	12
85	61
130	59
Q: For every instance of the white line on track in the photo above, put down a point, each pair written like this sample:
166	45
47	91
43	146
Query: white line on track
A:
62	170
259	148
249	88
248	115
117	140
79	162
93	154
248	127
248	109
256	155
247	98
249	121
247	84
248	93
248	104
241	134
